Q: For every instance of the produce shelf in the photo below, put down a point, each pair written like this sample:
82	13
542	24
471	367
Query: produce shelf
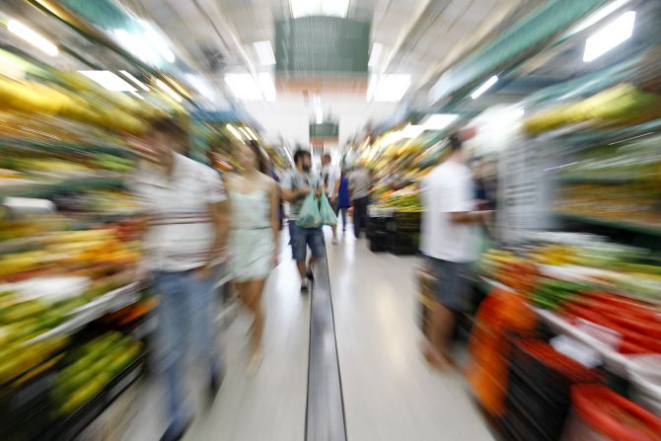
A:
612	179
591	276
109	302
74	424
636	227
39	189
56	147
613	361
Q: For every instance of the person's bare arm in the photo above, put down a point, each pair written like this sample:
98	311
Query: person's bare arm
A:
275	219
290	194
220	221
336	189
470	217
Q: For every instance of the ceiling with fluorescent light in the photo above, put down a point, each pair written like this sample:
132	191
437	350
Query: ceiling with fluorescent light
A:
419	38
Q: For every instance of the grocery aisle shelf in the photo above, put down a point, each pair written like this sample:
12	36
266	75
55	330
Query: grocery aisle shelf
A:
620	224
62	147
614	361
104	304
45	189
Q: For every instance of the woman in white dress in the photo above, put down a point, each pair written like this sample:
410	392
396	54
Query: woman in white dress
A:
253	241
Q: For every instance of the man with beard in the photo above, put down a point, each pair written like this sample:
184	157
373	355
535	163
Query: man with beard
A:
295	187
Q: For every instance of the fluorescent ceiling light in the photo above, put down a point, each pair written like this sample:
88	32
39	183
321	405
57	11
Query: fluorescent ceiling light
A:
167	89
245	88
411	131
234	132
439	121
253	135
388	87
19	29
320	115
108	80
375	55
244	132
135	81
137	45
267	85
304	8
335	8
484	87
158	41
201	85
610	36
264	52
600	15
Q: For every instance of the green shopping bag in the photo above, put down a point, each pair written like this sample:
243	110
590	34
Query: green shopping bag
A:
328	216
309	216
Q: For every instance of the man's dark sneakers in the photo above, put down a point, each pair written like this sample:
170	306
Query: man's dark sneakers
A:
175	433
215	382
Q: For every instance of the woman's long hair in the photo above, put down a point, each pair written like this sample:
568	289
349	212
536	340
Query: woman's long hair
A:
262	158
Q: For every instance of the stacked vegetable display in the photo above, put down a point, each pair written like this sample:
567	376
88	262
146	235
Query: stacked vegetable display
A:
93	365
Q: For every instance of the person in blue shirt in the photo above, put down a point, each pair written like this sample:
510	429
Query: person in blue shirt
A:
343	198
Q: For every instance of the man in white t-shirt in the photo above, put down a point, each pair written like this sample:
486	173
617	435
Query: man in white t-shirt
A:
330	179
450	241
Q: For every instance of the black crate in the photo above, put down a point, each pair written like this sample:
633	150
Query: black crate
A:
403	244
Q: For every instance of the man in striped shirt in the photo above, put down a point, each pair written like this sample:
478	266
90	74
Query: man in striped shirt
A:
188	227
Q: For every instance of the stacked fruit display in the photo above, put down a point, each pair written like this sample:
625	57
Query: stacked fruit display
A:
617	105
635	323
22	322
76	98
92	367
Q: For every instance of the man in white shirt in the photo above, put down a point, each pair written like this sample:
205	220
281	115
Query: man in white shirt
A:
360	182
330	179
188	225
449	240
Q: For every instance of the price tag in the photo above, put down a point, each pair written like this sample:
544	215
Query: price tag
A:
576	350
605	335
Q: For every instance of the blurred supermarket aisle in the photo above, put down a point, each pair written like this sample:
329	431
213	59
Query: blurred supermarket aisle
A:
269	406
390	393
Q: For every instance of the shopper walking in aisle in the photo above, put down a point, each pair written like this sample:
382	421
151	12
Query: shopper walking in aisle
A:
187	232
449	240
330	178
343	198
296	185
359	184
253	241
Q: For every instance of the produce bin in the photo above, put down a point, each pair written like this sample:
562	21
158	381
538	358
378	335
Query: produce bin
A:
538	396
599	414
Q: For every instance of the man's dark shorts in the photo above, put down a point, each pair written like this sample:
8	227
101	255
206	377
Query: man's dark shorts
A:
451	287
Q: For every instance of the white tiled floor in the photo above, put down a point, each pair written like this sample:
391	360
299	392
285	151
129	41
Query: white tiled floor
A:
390	393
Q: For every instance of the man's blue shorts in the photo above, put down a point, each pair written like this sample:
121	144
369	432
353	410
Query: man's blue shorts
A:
302	238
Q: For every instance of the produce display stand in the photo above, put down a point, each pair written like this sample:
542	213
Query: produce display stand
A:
404	233
75	423
613	361
70	237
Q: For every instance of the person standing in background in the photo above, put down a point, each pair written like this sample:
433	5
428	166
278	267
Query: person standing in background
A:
343	198
254	236
330	179
449	241
359	185
188	225
295	187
